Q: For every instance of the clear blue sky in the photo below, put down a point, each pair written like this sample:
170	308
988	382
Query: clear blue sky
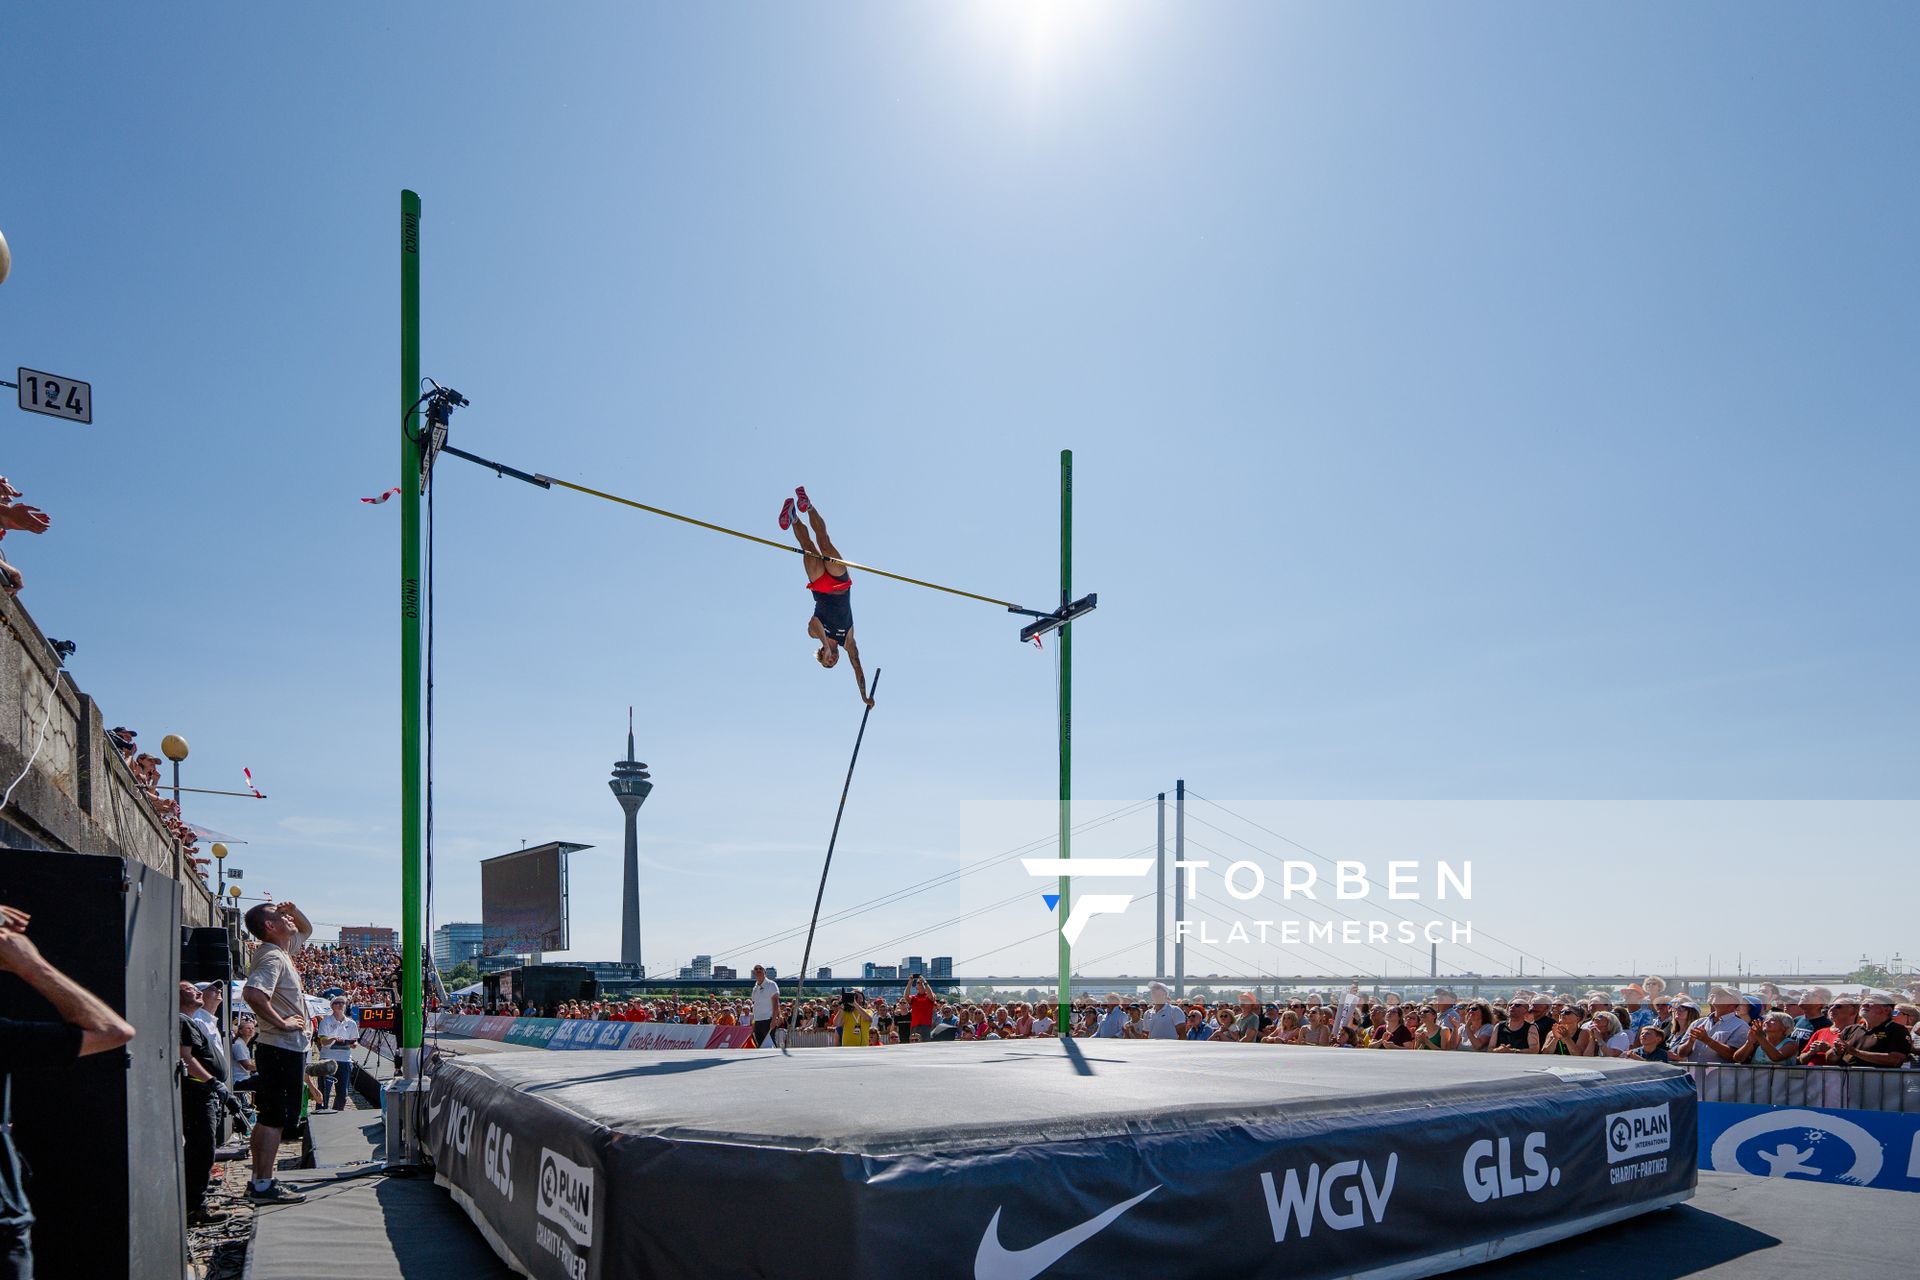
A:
1486	404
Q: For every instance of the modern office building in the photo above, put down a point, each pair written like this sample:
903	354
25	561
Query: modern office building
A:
910	965
823	974
942	967
724	972
367	935
873	971
457	943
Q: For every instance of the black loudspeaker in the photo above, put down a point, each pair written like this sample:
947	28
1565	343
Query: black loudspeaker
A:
102	1136
205	956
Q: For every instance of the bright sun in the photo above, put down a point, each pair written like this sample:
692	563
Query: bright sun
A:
1042	37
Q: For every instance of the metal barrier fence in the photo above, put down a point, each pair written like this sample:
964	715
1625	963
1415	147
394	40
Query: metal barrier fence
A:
1837	1088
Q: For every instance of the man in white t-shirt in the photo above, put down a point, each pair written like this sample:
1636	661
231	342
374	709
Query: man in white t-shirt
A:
338	1033
766	999
279	1005
1163	1021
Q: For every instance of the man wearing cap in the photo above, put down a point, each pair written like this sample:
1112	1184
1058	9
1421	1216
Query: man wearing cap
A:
1113	1023
1163	1021
1876	1040
1823	1044
1813	1013
1721	1032
337	1035
1517	1034
1662	1013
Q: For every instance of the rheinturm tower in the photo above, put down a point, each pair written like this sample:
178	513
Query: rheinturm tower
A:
631	788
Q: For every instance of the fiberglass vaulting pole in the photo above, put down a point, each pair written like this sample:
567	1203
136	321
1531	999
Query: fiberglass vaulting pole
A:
1063	1021
413	824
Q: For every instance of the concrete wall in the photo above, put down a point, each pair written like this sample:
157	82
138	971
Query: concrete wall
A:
78	795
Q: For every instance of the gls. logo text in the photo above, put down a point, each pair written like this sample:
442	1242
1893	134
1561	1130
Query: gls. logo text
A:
1489	1174
497	1163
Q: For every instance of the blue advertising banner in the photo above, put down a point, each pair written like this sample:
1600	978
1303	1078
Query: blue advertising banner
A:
1858	1148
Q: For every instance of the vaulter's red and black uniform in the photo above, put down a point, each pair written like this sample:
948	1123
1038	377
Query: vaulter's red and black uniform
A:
832	603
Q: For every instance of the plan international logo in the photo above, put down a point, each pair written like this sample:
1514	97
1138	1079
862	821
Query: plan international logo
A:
1245	881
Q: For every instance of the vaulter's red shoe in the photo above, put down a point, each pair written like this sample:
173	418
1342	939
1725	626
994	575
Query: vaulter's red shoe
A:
801	493
786	515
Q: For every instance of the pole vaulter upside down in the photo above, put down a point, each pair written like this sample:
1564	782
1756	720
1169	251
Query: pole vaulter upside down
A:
831	583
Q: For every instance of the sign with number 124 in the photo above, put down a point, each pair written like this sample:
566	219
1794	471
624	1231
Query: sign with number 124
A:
52	394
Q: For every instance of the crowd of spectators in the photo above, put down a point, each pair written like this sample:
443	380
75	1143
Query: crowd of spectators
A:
365	975
1811	1027
145	768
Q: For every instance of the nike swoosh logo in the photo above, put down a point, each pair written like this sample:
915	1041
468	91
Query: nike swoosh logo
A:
996	1262
434	1110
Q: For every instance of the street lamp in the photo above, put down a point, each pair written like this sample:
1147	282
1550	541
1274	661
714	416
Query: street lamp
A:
174	748
220	870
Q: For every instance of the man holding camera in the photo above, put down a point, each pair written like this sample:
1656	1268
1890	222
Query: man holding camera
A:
920	1006
279	1005
86	1026
852	1020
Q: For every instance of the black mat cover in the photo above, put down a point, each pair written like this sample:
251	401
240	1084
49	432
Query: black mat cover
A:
1007	1160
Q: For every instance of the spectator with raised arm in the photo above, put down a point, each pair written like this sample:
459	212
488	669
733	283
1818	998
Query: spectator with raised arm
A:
279	1005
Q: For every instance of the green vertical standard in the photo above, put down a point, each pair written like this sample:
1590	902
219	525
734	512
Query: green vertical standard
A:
1066	739
412	634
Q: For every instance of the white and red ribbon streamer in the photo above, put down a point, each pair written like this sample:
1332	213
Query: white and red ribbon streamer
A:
256	791
383	497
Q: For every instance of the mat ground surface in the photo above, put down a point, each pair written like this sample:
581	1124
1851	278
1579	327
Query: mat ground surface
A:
1103	1157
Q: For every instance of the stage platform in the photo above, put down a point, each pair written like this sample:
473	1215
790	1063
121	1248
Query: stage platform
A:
1007	1160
